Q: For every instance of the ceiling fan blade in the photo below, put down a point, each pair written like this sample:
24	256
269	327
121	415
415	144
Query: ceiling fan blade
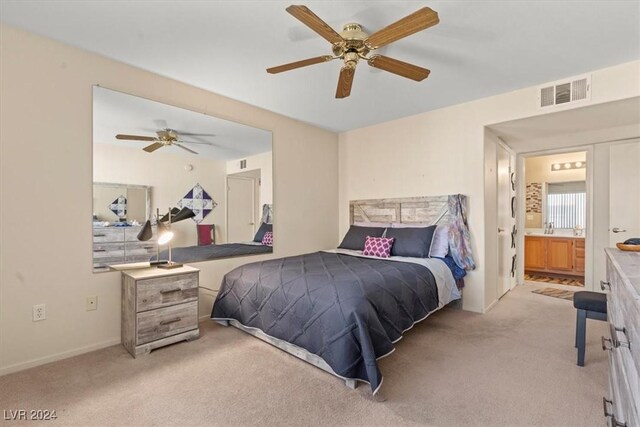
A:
182	141
417	21
299	64
194	134
311	20
153	147
135	137
345	81
184	148
400	68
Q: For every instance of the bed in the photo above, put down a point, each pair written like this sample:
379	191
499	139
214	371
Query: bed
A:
339	309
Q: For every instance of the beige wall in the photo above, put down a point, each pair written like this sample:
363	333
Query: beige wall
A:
45	163
169	182
538	169
443	151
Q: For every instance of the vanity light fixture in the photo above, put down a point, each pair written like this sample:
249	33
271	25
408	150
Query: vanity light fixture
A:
568	166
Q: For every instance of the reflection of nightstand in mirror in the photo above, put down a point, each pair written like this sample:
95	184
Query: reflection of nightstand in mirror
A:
159	307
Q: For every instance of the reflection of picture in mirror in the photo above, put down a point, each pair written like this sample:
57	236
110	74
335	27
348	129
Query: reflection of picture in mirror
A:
174	153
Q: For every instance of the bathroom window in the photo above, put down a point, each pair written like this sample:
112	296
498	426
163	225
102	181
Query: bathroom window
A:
566	205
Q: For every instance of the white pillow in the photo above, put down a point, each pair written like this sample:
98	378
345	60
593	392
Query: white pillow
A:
440	242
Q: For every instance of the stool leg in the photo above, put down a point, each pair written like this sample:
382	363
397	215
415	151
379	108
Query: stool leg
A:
581	329
577	321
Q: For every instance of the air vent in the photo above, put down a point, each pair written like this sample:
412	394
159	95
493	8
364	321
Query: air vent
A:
243	164
565	92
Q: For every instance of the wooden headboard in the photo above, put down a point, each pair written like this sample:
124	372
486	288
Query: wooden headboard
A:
408	210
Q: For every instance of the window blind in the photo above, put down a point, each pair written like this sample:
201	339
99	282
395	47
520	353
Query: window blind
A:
567	210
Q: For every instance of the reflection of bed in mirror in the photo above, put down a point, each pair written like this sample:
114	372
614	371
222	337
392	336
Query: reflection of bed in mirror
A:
219	169
259	245
210	252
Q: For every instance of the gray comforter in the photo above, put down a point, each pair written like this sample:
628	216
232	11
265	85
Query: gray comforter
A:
346	309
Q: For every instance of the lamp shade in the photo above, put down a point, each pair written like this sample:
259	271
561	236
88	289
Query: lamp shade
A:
164	234
174	212
146	232
184	213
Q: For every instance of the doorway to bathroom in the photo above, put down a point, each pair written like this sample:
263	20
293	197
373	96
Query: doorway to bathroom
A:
556	195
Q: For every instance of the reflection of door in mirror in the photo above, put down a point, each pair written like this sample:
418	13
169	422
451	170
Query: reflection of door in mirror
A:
241	201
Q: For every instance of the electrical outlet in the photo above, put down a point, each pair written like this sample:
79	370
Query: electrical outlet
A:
39	312
92	303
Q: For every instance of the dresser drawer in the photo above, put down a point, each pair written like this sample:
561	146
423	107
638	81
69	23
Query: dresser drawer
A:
140	248
101	235
164	291
624	394
164	322
131	233
108	250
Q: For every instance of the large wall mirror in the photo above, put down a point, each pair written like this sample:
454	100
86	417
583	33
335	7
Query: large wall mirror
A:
159	168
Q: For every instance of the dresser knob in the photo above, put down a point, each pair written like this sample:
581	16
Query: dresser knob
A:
604	284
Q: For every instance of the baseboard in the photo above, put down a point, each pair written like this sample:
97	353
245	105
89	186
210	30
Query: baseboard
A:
58	356
490	306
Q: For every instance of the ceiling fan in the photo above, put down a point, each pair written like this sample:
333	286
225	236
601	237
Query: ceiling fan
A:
166	137
353	44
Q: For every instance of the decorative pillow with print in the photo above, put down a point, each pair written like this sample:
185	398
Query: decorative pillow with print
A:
378	246
267	239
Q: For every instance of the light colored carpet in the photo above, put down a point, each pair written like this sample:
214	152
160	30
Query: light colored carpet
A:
513	366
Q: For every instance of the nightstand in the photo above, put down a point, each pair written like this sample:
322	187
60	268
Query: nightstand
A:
159	307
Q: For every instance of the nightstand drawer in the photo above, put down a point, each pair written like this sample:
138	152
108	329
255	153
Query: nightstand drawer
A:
164	322
164	291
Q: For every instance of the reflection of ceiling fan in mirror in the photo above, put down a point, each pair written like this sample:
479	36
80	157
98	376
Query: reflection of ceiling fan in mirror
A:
167	137
353	44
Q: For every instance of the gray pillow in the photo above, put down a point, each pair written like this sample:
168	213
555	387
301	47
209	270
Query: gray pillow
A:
264	227
411	242
356	236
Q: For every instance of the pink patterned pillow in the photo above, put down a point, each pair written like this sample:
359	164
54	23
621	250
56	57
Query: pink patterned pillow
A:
378	246
267	239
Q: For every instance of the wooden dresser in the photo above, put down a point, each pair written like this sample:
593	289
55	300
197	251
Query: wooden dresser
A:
119	245
622	406
159	307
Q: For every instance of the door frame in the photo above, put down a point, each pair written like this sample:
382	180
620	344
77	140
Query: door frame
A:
521	216
512	168
255	201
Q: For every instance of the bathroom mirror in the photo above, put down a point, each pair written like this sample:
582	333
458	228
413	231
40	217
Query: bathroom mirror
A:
149	157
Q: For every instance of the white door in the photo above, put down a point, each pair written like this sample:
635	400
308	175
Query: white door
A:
505	221
624	192
240	209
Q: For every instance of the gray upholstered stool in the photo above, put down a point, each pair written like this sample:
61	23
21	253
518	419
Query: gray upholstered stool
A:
591	305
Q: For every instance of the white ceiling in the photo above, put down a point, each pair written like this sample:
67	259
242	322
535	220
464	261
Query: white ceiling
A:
118	113
479	48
